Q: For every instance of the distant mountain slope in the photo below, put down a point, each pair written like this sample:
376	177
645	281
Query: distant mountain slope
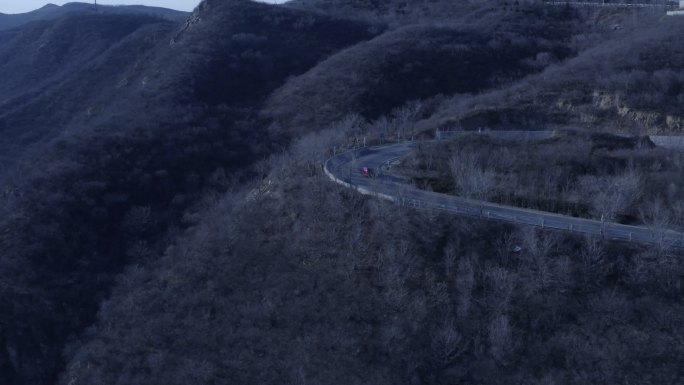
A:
45	52
58	66
52	11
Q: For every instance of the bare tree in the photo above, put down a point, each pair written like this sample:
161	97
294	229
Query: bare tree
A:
450	255
505	245
656	215
562	271
548	186
500	339
658	218
447	342
593	261
383	126
502	283
138	219
612	195
538	247
538	244
350	125
471	179
465	282
677	214
398	264
405	118
313	149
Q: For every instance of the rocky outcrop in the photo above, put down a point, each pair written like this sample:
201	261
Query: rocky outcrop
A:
653	121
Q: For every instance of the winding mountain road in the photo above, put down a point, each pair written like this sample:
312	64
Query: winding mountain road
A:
344	169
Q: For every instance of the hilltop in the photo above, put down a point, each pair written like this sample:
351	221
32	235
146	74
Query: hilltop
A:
52	11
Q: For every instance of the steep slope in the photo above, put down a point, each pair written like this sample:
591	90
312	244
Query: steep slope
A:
122	148
58	68
52	11
631	81
46	52
422	61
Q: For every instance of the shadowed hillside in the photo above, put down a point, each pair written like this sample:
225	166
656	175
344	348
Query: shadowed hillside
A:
61	69
422	61
90	81
114	153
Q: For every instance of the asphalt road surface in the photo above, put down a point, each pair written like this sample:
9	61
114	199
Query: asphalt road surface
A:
345	169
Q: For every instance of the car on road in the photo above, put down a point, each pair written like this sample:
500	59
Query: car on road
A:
368	172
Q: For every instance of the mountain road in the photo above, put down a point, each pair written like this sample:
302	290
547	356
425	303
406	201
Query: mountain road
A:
345	170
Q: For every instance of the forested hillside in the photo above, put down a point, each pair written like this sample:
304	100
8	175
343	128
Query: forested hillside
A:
630	81
426	61
164	217
107	158
60	69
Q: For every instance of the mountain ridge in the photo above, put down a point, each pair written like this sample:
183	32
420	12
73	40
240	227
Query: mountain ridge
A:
52	11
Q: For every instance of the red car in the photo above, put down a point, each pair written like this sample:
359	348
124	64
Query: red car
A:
367	171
